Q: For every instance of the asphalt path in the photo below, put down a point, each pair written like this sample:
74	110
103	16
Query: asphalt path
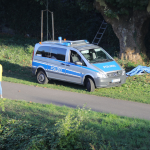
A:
16	91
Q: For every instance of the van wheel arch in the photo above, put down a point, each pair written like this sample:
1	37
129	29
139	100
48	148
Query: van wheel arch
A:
89	83
40	69
41	76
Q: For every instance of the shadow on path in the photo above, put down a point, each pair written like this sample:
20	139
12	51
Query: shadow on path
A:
24	73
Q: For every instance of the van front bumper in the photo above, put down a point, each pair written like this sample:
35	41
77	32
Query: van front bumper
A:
108	82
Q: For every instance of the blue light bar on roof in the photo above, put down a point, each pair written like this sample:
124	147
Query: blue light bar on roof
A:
75	42
86	41
66	43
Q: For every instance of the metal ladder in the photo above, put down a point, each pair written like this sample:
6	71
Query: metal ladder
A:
100	33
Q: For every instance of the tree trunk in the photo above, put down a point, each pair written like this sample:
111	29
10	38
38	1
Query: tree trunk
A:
131	35
131	31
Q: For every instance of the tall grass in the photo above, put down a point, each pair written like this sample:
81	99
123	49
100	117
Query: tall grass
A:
27	125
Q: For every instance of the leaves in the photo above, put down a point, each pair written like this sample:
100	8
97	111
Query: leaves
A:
34	127
148	7
123	7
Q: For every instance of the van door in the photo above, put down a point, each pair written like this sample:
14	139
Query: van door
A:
56	63
73	71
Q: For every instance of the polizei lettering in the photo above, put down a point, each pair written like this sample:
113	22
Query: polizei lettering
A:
110	66
56	69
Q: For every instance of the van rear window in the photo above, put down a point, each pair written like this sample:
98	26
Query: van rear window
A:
51	52
43	51
58	53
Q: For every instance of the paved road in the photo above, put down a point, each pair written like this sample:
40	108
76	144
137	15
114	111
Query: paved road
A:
58	97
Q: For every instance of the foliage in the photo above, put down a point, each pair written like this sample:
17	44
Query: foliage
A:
16	50
22	16
80	21
80	129
109	13
2	107
113	8
64	135
2	100
129	4
28	125
72	24
69	20
116	7
85	5
69	129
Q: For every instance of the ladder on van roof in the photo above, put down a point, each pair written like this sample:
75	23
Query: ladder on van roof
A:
100	33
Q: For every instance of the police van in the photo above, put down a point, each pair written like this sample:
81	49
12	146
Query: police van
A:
77	62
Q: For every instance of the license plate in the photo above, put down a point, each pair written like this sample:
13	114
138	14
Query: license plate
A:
115	80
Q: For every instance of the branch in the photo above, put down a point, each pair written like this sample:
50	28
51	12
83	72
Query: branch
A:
102	7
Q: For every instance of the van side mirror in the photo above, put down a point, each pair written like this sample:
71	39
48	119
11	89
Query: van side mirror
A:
78	63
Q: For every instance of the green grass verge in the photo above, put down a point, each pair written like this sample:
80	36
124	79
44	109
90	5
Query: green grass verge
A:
16	55
28	125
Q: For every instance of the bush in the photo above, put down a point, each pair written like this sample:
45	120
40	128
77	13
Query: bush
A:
66	134
69	129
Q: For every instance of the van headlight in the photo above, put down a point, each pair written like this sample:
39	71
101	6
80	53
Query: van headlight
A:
101	75
123	72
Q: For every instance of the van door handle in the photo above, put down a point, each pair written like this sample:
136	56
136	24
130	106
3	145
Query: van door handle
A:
68	65
62	64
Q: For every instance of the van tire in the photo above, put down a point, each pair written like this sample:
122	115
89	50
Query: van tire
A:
41	77
90	85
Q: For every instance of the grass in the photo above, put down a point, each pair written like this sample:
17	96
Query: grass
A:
16	55
28	125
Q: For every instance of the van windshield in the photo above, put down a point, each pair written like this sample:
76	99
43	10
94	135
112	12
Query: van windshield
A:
96	55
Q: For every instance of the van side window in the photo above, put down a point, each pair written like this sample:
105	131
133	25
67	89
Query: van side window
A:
43	51
58	53
74	56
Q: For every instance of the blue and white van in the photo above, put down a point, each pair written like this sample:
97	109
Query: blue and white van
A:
78	62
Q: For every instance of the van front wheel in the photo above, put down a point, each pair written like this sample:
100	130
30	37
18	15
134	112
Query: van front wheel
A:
41	77
90	85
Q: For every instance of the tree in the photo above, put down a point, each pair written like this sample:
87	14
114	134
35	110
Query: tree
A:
129	20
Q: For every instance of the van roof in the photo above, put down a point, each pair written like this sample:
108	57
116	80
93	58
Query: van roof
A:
67	43
79	44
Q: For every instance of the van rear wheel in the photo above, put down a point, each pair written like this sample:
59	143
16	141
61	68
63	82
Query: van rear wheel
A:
41	77
90	85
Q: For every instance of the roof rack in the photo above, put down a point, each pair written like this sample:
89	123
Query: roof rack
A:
78	42
67	43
